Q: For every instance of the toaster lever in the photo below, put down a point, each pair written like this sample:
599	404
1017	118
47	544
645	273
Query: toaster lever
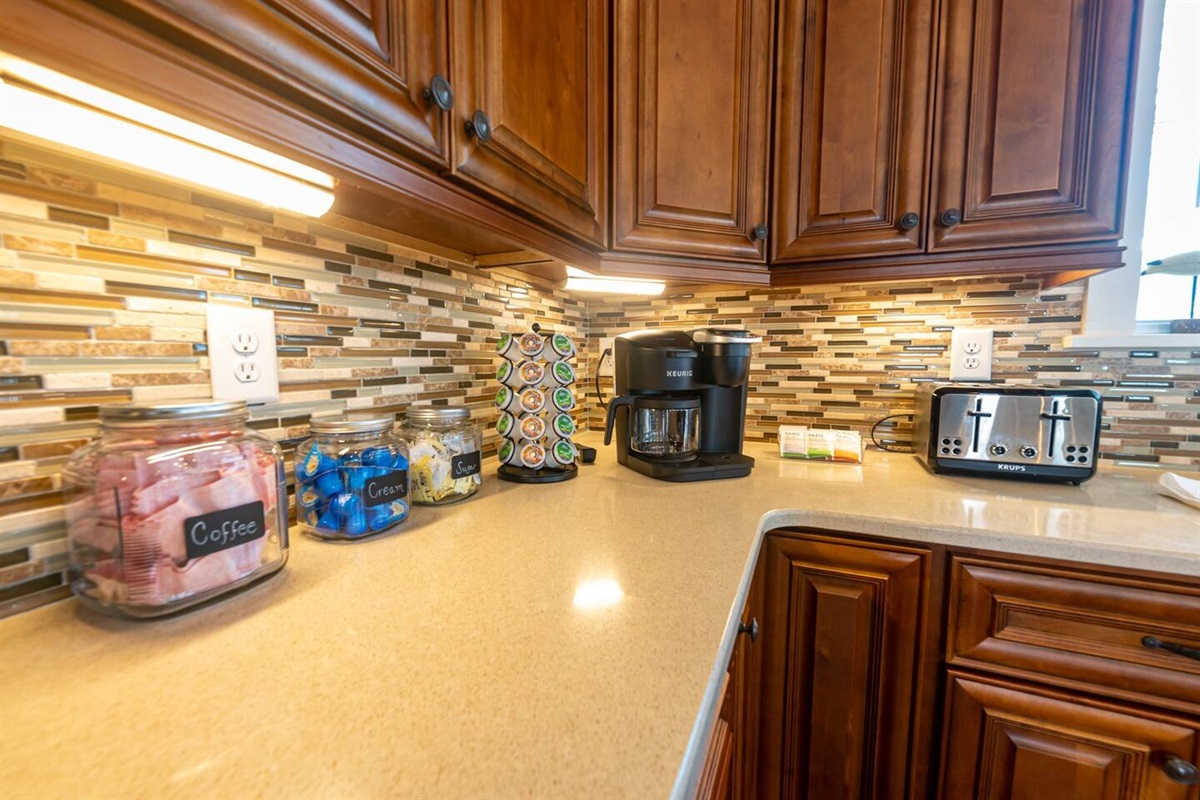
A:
975	414
1054	416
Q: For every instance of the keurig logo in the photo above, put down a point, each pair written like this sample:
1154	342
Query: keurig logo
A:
679	373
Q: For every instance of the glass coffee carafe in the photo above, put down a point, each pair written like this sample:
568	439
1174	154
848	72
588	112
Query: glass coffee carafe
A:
663	428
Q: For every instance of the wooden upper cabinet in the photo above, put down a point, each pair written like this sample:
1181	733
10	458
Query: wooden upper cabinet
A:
364	63
531	107
691	85
851	128
1032	137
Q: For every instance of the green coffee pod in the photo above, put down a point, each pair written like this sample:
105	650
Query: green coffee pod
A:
508	452
563	425
563	399
562	453
562	345
506	425
561	373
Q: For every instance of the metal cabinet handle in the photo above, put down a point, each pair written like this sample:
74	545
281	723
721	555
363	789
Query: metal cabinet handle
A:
950	217
1154	643
479	126
752	629
439	93
1181	771
909	221
761	231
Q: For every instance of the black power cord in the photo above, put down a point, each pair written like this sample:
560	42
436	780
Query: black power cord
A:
878	422
607	352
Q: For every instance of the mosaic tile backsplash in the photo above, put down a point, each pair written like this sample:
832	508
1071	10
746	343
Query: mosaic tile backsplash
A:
105	277
104	281
844	356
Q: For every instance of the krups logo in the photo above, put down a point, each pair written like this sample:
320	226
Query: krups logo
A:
679	373
1011	467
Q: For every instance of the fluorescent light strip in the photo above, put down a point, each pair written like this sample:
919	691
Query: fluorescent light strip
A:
248	172
581	281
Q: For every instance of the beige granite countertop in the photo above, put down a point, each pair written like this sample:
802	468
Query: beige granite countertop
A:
535	641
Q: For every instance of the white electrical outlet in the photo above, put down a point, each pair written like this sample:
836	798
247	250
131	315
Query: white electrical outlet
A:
606	368
241	354
971	354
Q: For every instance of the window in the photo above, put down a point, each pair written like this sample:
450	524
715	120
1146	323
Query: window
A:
1172	223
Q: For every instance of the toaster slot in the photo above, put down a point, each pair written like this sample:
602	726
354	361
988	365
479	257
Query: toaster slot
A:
1057	414
977	415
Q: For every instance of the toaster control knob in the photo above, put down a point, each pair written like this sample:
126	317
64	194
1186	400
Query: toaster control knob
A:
999	449
1028	451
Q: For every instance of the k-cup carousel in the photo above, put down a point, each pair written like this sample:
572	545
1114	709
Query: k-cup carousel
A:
535	401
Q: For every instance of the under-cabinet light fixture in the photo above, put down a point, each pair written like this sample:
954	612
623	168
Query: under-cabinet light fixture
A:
580	281
39	102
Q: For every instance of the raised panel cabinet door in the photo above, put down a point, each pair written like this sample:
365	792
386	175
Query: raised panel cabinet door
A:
532	107
1007	742
851	128
363	63
691	102
842	634
1032	140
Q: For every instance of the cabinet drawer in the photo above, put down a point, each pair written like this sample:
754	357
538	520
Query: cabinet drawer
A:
1076	629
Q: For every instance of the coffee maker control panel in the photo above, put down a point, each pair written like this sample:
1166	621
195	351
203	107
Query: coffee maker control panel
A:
723	336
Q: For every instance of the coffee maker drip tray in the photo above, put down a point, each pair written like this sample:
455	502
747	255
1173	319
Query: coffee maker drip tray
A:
703	467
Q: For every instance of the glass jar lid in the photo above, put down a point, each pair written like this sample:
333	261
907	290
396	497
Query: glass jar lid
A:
124	416
437	415
351	424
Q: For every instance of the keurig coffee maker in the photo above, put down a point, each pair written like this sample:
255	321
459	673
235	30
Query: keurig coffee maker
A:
680	408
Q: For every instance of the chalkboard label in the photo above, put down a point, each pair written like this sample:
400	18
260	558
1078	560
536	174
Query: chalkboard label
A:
220	530
392	485
465	466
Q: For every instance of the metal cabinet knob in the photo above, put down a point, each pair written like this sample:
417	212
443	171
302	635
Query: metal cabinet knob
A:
1181	771
761	231
439	93
752	629
479	126
909	221
951	217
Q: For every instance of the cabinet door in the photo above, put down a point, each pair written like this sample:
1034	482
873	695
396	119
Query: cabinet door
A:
851	128
842	635
1032	140
1003	742
691	94
534	71
365	63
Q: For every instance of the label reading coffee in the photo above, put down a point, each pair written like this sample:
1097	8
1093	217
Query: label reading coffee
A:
392	485
220	530
465	466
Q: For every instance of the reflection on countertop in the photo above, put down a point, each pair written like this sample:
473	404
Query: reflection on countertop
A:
542	641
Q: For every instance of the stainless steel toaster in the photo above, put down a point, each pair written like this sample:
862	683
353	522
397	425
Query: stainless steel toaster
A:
1039	433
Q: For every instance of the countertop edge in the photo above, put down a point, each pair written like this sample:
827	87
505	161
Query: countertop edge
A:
688	776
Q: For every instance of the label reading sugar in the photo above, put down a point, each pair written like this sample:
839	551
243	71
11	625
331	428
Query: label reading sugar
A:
465	466
392	485
220	530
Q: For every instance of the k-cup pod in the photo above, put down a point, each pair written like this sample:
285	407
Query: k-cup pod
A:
508	347
562	425
560	454
509	453
506	426
531	401
532	455
533	427
562	398
531	373
562	345
531	344
559	373
508	400
507	375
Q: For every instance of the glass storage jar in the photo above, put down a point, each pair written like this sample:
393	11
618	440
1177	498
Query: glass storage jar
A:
444	446
172	505
351	478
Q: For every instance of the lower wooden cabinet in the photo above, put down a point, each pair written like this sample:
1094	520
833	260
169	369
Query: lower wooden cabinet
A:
901	671
1015	741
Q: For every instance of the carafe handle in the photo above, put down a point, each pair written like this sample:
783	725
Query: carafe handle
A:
616	402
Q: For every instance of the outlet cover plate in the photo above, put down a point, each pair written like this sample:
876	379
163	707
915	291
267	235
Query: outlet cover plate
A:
971	354
604	366
229	325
